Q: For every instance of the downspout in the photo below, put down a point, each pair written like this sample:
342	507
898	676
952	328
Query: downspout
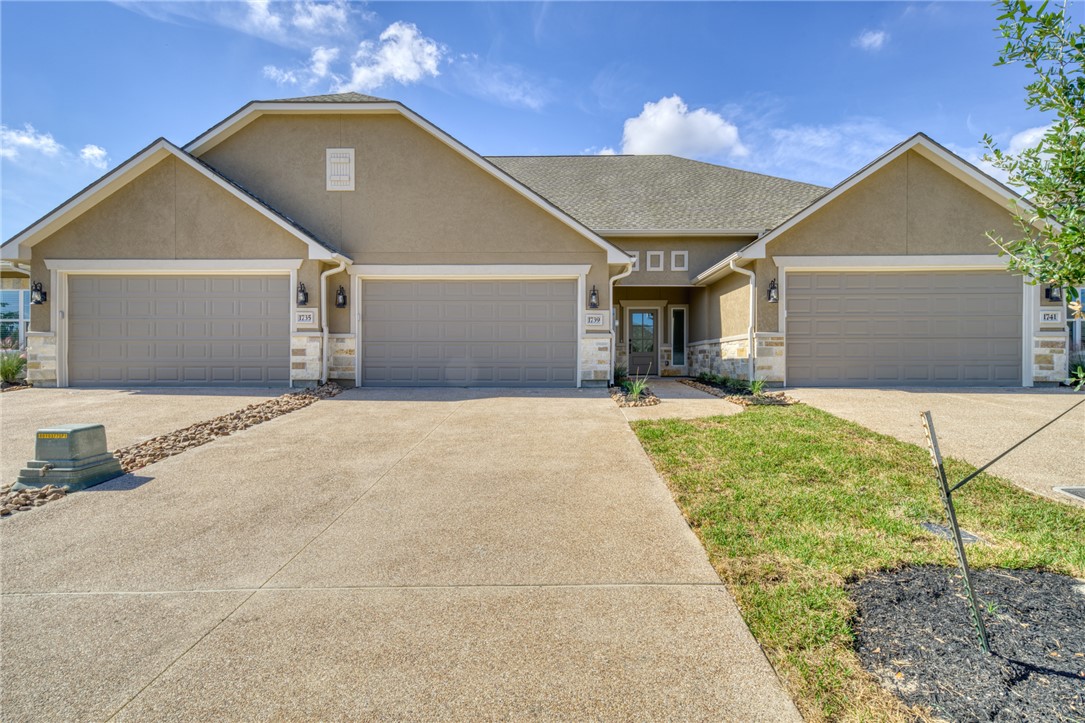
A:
613	337
324	318
753	310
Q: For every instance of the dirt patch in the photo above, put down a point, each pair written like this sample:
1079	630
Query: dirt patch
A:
914	633
167	445
740	396
647	398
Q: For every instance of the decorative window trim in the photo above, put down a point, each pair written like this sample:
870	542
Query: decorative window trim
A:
675	265
654	260
339	169
636	260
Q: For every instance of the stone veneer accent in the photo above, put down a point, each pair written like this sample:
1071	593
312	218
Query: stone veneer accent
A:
305	357
1050	357
595	357
341	364
41	358
730	357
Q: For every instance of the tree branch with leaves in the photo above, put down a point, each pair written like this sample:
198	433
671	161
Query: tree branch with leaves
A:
1050	246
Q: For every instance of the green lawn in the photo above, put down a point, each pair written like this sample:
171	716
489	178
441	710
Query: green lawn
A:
791	503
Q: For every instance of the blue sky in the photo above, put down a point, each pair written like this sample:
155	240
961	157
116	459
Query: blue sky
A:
810	91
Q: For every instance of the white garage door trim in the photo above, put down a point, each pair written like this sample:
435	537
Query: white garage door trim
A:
492	272
945	262
61	269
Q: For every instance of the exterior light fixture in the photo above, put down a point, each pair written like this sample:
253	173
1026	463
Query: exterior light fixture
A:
37	295
1053	293
774	292
340	298
593	298
303	295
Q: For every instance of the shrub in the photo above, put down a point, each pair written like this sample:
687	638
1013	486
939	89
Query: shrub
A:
620	372
636	388
12	364
757	386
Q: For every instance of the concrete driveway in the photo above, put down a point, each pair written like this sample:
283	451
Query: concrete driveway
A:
129	415
396	554
977	425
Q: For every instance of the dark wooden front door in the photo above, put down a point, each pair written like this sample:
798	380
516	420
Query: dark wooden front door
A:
643	335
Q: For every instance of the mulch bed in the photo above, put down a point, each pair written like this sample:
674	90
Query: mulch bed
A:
167	445
741	396
647	398
914	633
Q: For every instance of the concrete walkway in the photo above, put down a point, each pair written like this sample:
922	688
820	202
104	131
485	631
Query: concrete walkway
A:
977	425
419	555
680	402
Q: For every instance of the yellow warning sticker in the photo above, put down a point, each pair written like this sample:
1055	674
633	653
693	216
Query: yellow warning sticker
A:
52	435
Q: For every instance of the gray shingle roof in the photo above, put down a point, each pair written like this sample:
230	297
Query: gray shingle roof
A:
332	98
659	192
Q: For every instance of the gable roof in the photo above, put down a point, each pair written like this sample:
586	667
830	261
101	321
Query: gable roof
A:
346	103
614	194
922	144
133	168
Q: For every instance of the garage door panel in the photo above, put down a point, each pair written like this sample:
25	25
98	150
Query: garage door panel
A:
178	330
502	332
903	328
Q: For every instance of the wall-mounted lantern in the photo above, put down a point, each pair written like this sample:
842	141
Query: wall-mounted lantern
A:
774	292
340	299
303	295
593	298
1053	293
37	295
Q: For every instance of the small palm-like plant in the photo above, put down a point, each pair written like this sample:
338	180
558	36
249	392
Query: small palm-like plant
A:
757	386
12	364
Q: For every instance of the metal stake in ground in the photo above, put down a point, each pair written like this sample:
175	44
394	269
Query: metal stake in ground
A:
958	543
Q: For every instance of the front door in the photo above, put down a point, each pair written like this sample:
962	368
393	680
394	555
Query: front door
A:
642	342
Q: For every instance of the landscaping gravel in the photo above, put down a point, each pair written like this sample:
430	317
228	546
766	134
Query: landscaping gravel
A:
914	633
167	445
738	396
646	399
12	501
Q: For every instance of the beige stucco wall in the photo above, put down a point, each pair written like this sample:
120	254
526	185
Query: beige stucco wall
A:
168	212
704	251
727	307
416	201
910	207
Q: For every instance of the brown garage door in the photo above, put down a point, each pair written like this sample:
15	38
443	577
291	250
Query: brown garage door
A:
178	330
941	328
469	333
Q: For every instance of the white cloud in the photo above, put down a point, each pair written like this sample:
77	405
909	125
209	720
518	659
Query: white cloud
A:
668	126
321	18
871	40
318	68
597	151
505	84
260	20
1028	138
13	141
827	154
402	54
94	156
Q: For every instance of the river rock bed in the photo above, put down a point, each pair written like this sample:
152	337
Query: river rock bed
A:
915	635
12	501
158	448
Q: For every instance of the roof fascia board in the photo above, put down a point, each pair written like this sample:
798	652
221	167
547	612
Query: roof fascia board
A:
718	271
253	110
250	112
680	232
123	174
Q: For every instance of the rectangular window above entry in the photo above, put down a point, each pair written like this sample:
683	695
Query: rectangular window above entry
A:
654	260
679	260
340	169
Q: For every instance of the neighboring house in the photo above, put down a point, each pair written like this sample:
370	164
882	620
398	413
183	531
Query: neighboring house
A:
424	263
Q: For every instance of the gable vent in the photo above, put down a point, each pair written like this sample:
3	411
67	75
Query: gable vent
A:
340	169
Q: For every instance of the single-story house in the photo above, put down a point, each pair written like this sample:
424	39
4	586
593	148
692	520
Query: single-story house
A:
346	237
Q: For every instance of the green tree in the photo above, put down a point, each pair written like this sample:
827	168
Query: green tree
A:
1050	247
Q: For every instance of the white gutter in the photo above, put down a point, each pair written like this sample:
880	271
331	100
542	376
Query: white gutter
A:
613	338
753	310
324	318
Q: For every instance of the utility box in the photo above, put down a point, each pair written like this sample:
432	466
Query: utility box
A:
70	455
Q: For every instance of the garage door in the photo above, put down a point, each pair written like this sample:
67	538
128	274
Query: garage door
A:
178	330
903	328
469	333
